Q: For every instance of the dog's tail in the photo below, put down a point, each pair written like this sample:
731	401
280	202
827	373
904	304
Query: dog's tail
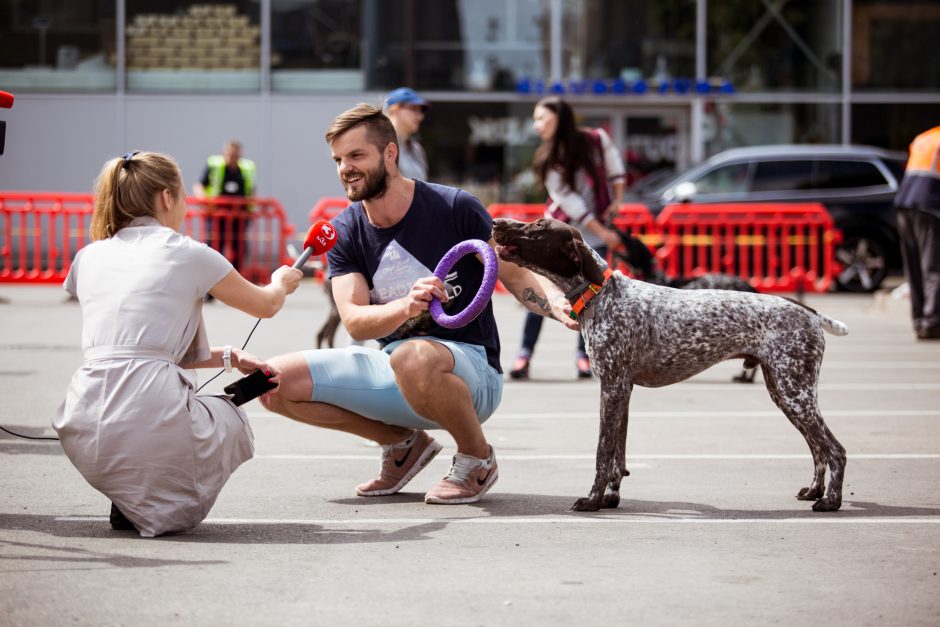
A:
829	324
832	325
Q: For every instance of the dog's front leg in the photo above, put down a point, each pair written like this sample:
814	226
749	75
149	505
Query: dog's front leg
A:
610	464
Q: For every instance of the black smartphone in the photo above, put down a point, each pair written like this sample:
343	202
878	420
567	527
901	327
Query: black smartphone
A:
250	387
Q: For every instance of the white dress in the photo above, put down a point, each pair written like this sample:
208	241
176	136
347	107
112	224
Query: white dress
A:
131	422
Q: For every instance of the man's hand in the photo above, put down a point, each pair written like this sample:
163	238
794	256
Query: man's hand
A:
419	298
561	311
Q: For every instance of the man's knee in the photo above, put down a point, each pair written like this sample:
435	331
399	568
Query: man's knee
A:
295	383
418	364
421	357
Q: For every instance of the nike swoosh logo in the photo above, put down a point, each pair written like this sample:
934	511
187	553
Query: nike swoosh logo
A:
482	480
401	462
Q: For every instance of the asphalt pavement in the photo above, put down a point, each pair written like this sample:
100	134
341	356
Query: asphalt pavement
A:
708	532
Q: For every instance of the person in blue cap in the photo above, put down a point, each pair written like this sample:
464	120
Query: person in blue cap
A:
406	109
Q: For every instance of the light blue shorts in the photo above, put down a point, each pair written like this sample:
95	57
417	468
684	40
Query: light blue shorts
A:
361	380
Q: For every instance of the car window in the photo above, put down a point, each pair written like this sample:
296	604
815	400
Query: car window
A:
896	166
724	179
847	174
773	176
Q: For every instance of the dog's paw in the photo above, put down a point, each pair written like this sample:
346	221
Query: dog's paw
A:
808	494
585	505
829	503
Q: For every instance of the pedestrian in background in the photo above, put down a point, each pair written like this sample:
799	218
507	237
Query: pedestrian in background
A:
918	206
406	109
131	422
228	175
583	173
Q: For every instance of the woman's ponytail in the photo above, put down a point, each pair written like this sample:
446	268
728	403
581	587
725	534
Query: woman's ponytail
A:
127	187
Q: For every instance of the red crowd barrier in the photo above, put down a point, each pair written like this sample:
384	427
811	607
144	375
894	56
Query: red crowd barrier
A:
42	231
776	247
326	209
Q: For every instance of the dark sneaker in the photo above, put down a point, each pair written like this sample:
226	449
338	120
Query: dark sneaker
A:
468	480
584	368
520	369
929	333
400	463
119	521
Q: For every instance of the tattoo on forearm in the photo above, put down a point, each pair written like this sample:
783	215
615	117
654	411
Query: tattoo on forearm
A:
530	295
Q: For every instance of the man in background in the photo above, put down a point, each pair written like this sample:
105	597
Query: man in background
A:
406	109
918	206
228	175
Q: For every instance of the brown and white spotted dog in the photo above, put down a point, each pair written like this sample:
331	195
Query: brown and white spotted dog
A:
642	334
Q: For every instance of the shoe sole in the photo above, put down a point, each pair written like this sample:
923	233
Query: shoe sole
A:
433	500
427	455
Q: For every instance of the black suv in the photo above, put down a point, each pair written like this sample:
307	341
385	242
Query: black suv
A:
856	184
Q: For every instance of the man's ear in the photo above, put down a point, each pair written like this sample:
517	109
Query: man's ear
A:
390	154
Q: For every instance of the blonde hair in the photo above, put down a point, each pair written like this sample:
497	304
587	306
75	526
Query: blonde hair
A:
126	187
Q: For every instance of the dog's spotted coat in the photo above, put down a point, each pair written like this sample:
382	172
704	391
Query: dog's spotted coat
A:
642	334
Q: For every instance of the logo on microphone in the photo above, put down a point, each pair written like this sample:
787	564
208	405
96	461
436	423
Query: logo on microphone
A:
328	232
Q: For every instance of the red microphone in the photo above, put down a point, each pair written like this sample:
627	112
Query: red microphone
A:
320	238
6	101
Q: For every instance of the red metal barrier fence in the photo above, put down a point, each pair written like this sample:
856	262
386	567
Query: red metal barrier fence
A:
776	247
40	232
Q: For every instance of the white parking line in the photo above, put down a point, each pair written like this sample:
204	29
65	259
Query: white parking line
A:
714	386
591	456
841	518
831	413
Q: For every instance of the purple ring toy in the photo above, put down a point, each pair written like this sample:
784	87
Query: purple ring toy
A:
490	268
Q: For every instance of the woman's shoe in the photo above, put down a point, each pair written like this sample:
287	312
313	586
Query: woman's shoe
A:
520	369
584	368
119	521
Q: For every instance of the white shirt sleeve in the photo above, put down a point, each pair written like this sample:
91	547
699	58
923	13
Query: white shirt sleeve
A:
565	198
613	164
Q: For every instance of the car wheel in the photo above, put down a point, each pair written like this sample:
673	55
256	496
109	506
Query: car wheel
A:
864	262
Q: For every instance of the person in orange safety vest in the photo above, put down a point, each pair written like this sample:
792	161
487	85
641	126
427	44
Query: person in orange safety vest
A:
918	207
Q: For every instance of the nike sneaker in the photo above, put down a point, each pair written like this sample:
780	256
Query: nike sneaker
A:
400	463
468	480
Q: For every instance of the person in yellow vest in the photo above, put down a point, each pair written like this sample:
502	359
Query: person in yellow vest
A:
228	175
918	207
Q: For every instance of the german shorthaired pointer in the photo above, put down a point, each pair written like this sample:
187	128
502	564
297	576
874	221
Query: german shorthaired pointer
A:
642	334
644	266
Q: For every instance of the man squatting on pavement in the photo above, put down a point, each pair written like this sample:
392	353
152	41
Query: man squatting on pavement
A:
425	377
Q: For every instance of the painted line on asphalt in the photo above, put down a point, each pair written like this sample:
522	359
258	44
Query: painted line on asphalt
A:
820	519
712	386
841	413
630	458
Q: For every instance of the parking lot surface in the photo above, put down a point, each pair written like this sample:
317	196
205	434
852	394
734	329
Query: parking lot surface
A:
708	531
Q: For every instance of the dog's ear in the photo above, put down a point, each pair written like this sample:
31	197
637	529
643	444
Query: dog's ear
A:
590	269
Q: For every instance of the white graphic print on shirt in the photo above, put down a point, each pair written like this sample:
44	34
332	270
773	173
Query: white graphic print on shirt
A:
397	272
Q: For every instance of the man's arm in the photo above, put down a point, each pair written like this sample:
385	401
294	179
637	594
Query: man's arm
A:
365	321
537	293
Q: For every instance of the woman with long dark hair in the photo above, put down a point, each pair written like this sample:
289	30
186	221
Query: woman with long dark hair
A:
583	174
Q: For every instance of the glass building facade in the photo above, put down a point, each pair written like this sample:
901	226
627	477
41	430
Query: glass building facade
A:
673	81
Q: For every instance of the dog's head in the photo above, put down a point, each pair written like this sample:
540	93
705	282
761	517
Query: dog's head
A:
547	247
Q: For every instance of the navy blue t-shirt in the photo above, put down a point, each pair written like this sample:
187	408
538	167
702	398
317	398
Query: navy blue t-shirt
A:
392	259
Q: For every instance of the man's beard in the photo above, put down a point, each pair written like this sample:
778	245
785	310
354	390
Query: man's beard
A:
374	185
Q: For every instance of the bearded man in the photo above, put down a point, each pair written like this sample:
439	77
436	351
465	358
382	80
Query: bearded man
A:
425	377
